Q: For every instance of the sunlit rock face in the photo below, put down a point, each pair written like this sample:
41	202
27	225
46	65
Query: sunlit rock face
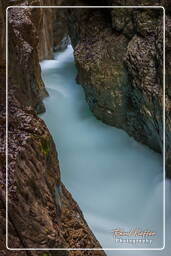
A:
119	57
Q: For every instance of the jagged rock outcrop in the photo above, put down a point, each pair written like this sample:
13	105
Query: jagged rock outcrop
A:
119	57
42	213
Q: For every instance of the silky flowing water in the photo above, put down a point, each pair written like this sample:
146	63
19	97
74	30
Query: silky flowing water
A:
116	181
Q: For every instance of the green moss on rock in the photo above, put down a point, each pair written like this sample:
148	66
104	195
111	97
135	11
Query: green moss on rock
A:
45	146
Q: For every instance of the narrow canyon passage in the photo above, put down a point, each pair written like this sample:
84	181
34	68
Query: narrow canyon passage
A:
116	181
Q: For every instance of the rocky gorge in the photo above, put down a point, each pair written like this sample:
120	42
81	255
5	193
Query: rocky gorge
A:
33	169
119	62
119	57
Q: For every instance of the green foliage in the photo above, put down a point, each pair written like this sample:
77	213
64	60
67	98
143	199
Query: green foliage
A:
44	146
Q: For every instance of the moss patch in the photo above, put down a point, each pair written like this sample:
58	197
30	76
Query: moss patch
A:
45	146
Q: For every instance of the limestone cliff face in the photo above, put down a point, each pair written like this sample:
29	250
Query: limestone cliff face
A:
119	57
42	213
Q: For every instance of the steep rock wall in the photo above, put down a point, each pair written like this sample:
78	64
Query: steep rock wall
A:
42	213
119	57
53	31
34	33
24	70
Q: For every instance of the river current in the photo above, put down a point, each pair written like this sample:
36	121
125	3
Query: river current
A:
116	181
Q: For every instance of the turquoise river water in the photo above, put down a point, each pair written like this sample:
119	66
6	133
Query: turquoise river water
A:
116	181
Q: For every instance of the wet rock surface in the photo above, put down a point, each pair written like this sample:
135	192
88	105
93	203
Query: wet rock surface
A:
24	69
119	57
42	213
32	36
120	67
